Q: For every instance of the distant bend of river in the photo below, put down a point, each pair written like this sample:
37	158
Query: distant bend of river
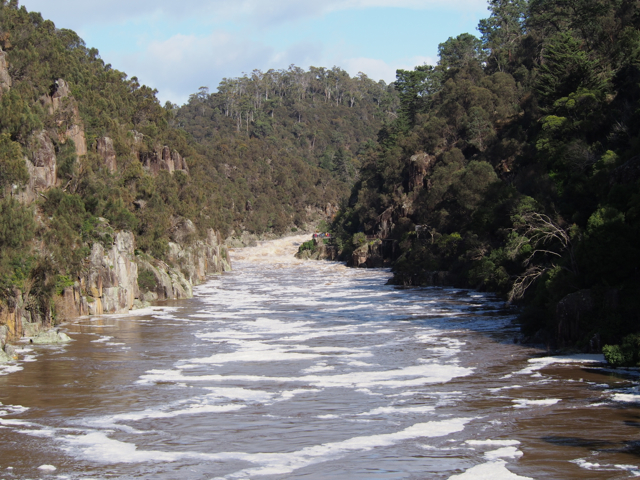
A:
284	369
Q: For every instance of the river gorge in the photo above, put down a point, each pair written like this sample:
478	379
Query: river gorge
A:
299	369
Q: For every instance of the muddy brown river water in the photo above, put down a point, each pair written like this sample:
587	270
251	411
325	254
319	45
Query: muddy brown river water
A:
285	369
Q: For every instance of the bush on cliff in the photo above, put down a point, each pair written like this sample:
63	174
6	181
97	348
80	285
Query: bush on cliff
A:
626	354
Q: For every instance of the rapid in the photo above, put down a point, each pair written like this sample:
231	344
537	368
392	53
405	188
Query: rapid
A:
289	369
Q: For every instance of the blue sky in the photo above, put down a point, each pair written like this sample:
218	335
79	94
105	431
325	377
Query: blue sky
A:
179	46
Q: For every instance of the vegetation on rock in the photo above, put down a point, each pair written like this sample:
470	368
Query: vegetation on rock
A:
514	166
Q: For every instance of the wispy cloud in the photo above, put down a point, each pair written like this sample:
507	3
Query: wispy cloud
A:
178	46
89	12
377	69
181	64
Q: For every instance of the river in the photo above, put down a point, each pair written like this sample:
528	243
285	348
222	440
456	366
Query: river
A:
284	369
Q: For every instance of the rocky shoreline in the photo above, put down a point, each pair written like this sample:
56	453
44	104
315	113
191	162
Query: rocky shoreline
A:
116	280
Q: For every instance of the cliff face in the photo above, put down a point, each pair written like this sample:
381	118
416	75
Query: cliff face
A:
110	283
5	78
186	266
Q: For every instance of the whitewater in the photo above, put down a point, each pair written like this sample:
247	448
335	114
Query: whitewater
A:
299	369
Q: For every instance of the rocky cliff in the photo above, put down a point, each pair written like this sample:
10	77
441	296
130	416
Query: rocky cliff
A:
5	78
110	283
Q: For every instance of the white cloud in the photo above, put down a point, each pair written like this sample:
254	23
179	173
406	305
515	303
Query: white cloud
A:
182	45
79	13
181	64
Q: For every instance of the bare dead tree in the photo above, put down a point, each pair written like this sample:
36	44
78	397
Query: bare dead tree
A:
548	240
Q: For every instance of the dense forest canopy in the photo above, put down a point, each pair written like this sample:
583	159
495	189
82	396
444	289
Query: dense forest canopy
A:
517	158
286	140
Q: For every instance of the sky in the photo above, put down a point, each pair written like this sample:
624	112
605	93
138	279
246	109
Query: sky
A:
178	46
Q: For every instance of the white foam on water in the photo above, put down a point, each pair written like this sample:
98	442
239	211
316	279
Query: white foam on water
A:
508	387
320	367
43	433
283	463
503	443
48	468
587	465
359	363
170	411
633	469
15	422
97	447
7	368
103	339
526	403
504	452
542	362
582	463
244	394
399	410
495	470
626	395
11	409
410	376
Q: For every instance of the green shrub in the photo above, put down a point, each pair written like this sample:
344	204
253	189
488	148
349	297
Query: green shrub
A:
359	239
625	355
310	245
146	280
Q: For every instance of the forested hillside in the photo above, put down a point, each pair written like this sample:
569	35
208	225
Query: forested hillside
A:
513	167
86	151
286	140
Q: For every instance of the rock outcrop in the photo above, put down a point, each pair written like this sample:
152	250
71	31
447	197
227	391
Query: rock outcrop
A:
320	251
42	164
187	265
419	166
368	255
5	78
162	159
20	317
111	281
104	148
64	108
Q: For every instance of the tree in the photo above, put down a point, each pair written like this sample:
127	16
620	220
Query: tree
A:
566	67
503	30
460	51
415	89
13	170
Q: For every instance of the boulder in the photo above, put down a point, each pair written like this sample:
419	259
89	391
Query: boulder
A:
183	231
49	337
10	351
4	358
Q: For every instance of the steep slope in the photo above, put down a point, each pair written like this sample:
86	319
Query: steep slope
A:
513	167
108	199
94	182
284	143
